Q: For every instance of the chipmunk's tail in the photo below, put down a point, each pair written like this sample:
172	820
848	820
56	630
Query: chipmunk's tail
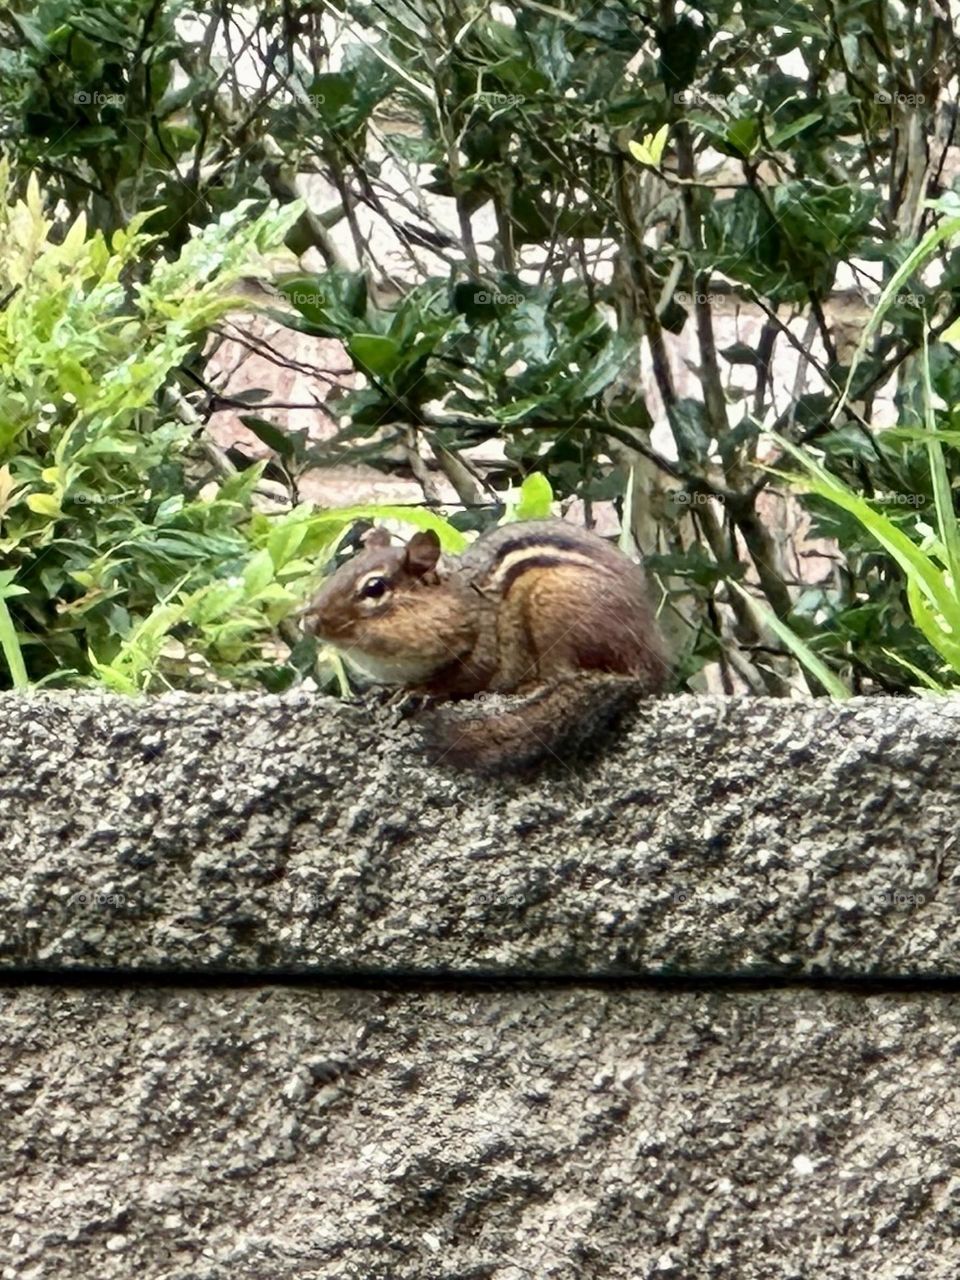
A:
561	720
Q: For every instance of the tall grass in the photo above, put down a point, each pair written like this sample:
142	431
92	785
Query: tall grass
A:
931	566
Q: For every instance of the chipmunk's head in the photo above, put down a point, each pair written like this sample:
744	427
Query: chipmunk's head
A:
388	611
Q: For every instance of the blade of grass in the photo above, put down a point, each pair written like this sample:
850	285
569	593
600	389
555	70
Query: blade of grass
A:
942	493
798	647
10	646
919	435
927	681
925	249
915	563
925	618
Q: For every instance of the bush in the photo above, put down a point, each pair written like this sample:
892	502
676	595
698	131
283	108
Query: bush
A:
554	192
126	557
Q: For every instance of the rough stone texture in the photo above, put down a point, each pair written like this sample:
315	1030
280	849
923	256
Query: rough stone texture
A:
292	1134
390	1126
269	834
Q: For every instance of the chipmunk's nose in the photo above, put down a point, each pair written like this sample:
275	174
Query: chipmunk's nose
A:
304	614
314	617
318	614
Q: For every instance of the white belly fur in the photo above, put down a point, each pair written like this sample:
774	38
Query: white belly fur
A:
388	670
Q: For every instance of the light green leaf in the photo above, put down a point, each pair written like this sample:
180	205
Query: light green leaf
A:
258	573
933	685
518	410
536	498
650	150
451	540
44	504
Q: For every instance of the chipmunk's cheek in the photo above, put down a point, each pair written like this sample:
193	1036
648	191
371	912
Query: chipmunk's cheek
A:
374	652
385	668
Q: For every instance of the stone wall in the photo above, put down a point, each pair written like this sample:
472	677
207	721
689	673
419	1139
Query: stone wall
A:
278	1000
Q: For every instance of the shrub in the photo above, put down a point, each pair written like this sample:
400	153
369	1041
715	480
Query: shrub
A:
120	545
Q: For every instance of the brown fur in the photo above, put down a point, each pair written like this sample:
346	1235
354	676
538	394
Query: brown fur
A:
567	716
536	606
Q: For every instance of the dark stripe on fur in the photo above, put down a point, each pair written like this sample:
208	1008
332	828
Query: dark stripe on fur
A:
540	539
545	561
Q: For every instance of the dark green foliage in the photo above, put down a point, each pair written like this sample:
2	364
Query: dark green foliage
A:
829	123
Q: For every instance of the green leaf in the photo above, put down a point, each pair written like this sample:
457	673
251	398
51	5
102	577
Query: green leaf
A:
277	438
528	407
688	421
375	354
744	135
451	539
914	670
44	504
740	353
609	361
919	567
258	573
932	627
333	305
9	642
283	544
650	150
329	94
928	246
942	493
788	131
536	498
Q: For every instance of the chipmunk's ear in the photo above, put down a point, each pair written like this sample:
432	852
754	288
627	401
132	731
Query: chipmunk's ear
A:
422	554
377	537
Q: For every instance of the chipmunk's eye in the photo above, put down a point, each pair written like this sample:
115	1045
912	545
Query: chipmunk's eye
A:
373	589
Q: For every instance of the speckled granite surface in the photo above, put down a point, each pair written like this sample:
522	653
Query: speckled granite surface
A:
274	834
426	1055
297	1134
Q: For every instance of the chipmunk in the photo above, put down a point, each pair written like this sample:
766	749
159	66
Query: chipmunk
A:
539	607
